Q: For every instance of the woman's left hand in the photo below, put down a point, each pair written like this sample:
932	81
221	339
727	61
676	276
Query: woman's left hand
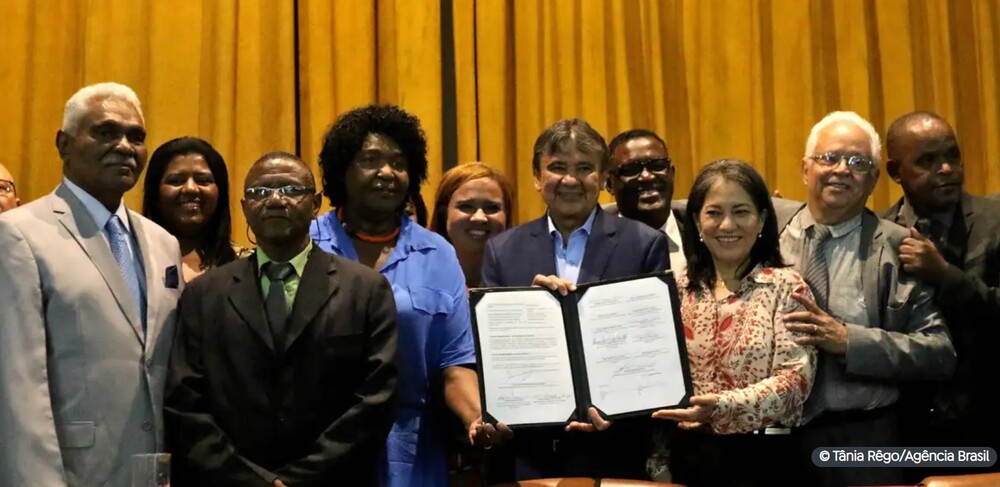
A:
487	435
700	411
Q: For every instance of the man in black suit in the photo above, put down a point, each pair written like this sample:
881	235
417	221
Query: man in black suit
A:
283	370
954	245
574	242
642	180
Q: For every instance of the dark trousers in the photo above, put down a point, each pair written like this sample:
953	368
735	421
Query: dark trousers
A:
546	452
702	459
874	428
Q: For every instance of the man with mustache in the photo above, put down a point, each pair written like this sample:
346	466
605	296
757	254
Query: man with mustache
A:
8	192
876	324
284	368
954	245
87	309
574	242
642	181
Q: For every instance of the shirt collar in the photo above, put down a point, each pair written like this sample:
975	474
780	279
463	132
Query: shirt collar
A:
298	262
806	220
97	211
909	216
585	228
330	230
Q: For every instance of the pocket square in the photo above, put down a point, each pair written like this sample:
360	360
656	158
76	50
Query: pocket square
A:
172	278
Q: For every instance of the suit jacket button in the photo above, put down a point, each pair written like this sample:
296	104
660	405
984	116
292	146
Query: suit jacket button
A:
149	362
147	426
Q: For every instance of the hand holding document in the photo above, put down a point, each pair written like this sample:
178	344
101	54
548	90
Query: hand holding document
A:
545	358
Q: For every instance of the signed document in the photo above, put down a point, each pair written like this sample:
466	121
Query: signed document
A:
615	345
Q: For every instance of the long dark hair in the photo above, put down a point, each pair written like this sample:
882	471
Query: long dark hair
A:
216	247
766	250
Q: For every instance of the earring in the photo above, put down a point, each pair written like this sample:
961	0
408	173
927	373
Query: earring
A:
701	237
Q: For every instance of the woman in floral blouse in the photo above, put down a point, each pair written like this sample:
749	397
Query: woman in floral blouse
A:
747	371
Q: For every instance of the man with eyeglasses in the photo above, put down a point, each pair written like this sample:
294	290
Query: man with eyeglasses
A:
954	244
875	324
283	371
641	179
8	192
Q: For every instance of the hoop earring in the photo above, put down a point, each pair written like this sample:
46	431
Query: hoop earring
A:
249	238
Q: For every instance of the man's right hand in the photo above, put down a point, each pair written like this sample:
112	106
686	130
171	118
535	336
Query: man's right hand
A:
278	483
554	283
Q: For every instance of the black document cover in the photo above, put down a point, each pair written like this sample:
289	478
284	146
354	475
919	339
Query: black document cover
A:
654	288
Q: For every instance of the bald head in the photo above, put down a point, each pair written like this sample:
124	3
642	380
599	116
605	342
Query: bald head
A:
8	191
926	161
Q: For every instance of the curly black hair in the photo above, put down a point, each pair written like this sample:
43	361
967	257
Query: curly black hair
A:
347	135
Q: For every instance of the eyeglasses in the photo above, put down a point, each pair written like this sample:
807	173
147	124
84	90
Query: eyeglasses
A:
6	186
260	193
635	167
856	163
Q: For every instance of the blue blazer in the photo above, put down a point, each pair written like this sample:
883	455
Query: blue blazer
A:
617	247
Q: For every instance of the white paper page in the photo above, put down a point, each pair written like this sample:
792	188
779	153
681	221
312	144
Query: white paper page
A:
630	346
526	368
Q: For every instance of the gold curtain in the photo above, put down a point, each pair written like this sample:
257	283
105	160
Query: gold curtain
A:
218	70
353	53
719	78
724	78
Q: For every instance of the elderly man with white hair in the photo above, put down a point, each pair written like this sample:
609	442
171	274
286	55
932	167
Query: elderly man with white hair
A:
87	309
875	324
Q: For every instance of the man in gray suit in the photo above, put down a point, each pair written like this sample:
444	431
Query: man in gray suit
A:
88	309
875	324
954	246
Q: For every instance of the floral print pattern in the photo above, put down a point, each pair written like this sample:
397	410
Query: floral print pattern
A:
739	348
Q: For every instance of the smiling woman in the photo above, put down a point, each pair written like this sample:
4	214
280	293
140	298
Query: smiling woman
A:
472	204
185	183
373	159
749	375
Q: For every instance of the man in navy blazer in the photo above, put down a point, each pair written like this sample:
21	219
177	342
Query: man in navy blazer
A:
574	242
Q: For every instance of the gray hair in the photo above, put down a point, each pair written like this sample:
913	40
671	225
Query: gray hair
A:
848	117
77	104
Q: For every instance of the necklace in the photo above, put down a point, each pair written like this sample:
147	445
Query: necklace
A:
367	238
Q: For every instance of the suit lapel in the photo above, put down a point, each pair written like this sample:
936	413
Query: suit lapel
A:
75	218
151	280
315	289
893	213
871	276
246	299
600	246
960	233
541	259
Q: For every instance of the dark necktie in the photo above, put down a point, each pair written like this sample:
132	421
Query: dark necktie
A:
276	304
118	239
816	270
932	230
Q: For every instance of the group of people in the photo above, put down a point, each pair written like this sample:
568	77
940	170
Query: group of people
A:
340	351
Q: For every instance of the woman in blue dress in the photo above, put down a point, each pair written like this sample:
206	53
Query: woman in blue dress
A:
373	159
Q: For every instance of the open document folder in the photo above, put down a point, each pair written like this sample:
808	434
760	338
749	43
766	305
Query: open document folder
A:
616	345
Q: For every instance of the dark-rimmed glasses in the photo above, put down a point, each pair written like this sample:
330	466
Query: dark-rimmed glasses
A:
856	163
261	193
633	168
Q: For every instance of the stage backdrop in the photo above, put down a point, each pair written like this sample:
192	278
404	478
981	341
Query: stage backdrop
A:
721	78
